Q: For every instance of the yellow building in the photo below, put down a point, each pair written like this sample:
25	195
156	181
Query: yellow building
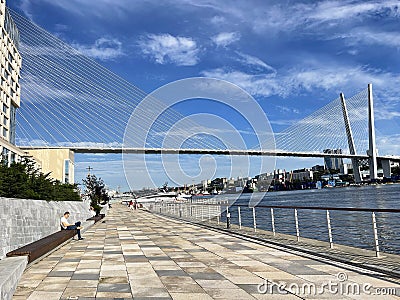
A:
10	61
58	162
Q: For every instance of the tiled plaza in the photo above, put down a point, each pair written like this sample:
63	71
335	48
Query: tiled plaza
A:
139	255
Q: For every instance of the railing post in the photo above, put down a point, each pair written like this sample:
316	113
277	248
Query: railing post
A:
297	224
228	218
273	221
375	234
209	212
328	221
254	219
240	218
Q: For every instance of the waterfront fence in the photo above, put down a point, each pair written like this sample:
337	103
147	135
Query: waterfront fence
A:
367	228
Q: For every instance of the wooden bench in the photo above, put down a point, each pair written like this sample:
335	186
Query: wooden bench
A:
40	247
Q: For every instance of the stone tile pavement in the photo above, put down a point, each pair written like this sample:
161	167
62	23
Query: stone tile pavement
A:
139	255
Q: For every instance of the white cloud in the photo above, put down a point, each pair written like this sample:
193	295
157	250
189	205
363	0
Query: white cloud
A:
334	13
217	20
338	10
384	113
61	27
263	85
25	6
310	77
165	48
98	8
254	61
286	109
368	36
30	142
283	122
102	49
224	39
388	144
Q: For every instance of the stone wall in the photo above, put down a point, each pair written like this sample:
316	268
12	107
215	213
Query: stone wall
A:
24	221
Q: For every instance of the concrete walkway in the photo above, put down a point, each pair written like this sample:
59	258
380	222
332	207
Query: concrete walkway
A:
135	254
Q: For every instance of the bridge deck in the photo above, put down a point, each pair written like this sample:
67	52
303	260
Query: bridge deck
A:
250	152
135	254
198	151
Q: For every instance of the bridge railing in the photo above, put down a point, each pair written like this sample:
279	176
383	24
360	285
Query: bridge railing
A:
368	228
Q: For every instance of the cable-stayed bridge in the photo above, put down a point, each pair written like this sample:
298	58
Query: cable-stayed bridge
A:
70	101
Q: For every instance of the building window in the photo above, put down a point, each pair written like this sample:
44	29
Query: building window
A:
5	121
66	171
13	124
4	155
5	132
5	108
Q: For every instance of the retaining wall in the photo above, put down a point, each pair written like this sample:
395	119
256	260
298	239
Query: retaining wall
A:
24	221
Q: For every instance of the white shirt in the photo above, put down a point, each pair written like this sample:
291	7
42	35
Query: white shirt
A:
64	221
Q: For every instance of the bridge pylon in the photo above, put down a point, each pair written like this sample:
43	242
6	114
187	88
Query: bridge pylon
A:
350	140
372	152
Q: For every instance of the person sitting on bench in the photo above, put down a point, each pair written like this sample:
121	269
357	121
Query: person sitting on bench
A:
65	225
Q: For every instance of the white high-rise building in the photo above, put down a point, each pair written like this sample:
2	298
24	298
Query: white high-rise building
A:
10	61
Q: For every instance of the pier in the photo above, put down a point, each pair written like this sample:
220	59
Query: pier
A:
141	255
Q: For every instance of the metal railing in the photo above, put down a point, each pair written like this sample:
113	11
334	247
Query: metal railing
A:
242	216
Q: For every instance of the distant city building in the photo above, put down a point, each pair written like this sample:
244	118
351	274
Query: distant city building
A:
280	175
328	177
318	168
205	184
345	168
218	183
333	163
365	175
302	175
9	86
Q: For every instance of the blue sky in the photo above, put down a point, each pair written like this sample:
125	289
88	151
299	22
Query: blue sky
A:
293	57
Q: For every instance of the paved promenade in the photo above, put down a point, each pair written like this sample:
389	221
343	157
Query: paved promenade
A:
135	254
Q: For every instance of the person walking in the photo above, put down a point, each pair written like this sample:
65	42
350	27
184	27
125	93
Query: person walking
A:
65	225
130	205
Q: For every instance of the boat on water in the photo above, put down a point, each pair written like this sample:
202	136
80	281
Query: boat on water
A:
164	196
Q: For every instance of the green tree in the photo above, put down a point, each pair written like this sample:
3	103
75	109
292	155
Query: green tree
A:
95	189
24	180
